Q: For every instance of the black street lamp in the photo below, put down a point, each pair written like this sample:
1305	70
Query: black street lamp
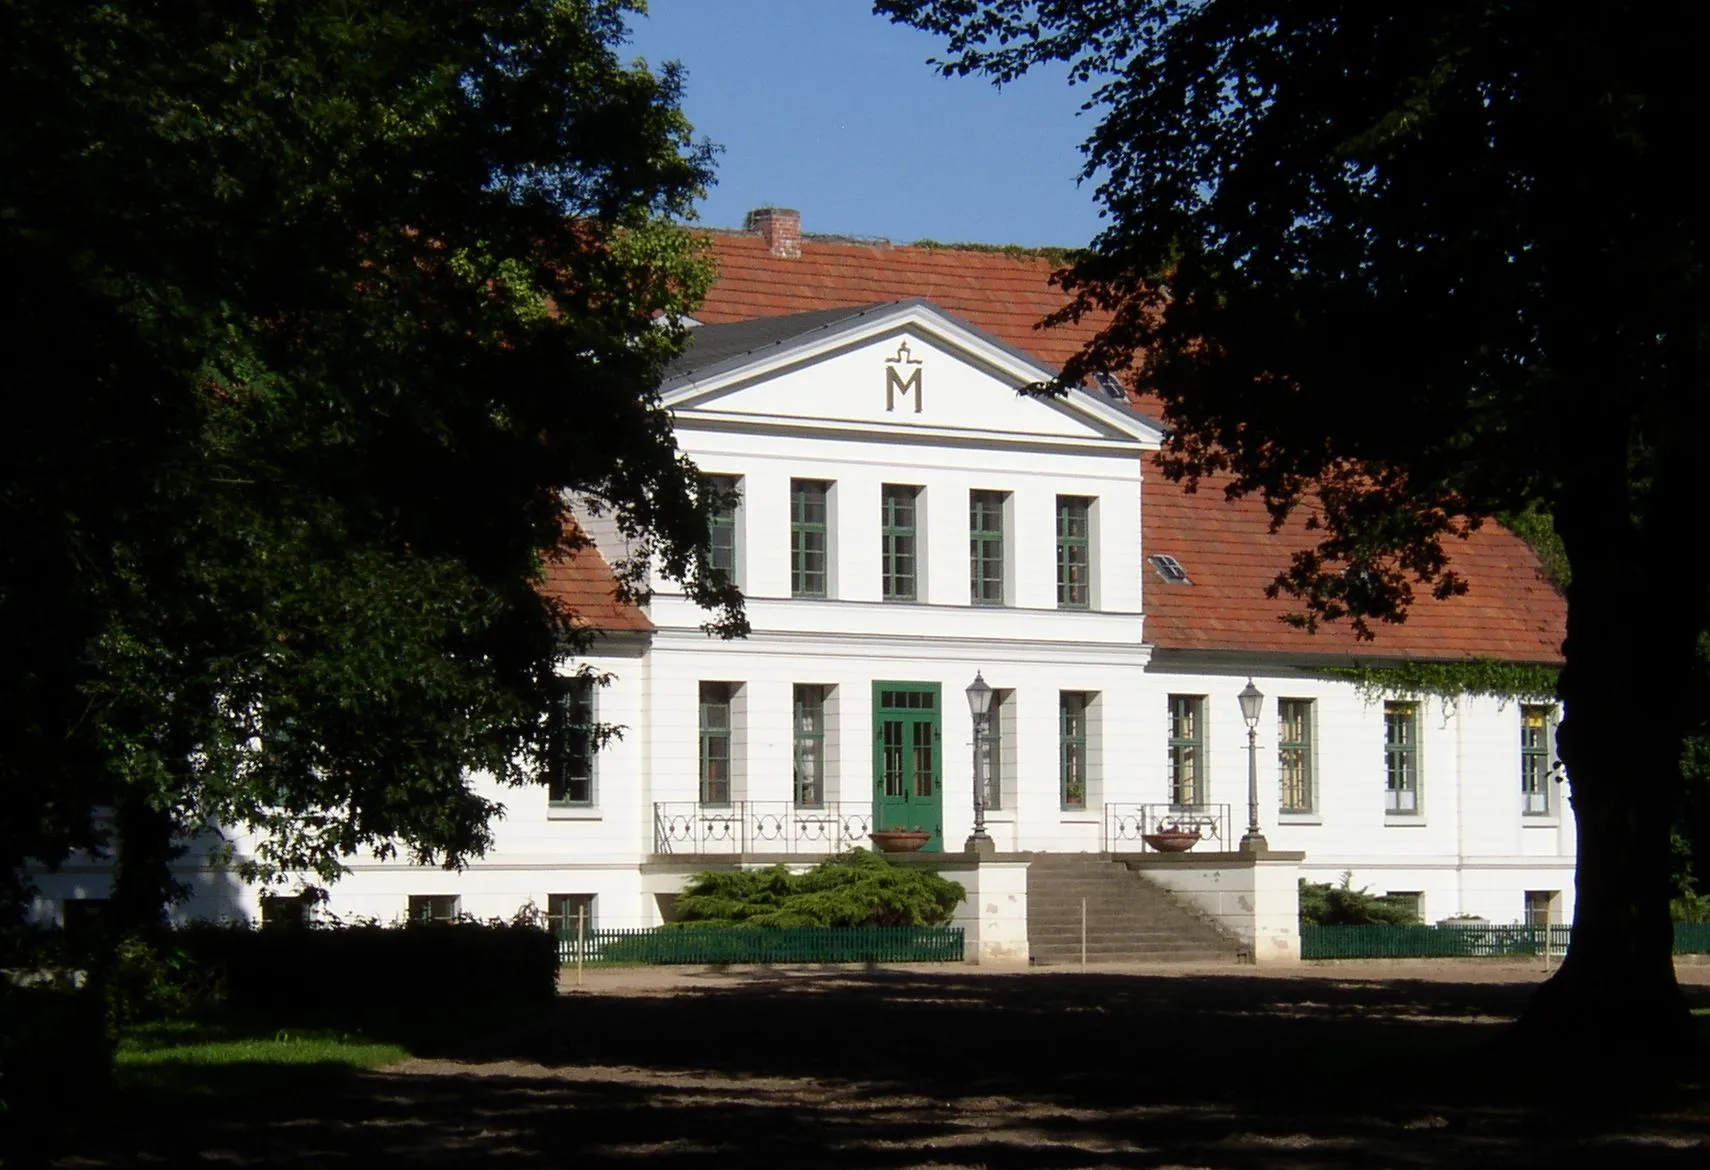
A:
1252	700
979	706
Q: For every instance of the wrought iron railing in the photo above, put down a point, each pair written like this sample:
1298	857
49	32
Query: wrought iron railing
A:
1126	826
759	826
749	944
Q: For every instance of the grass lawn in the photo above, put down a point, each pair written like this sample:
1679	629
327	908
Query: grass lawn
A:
222	1056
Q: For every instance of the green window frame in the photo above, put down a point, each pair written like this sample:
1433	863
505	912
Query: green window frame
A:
721	523
1072	749
809	537
809	755
900	561
715	743
1074	552
1536	738
286	911
434	908
1401	759
571	745
995	717
1189	787
985	547
1295	762
561	913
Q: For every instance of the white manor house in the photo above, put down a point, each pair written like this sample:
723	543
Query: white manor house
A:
905	522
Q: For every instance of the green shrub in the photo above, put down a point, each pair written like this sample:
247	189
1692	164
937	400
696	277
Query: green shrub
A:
54	1045
1323	904
858	888
426	966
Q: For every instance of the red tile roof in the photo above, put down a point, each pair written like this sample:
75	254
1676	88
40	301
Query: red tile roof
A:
1002	293
1509	612
585	585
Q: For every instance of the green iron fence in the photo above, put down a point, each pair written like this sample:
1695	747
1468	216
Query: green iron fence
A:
1461	940
744	944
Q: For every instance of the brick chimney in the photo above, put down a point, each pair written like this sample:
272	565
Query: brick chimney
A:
781	227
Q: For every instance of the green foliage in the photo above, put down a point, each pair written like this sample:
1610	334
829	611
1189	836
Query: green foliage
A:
54	1045
1690	906
858	888
336	303
1529	682
415	967
1323	904
1534	526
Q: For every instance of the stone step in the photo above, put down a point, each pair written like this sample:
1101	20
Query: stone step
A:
1134	949
1128	919
1162	948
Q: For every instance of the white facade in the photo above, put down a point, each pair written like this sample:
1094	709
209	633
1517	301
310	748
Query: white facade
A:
906	398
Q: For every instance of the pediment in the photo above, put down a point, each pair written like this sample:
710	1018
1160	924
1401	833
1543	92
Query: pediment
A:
895	368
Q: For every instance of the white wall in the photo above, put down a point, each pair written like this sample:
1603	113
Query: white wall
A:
1472	849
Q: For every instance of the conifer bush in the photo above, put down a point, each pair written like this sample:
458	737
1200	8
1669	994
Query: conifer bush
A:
858	888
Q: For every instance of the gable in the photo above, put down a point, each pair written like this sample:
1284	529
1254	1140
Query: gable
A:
894	370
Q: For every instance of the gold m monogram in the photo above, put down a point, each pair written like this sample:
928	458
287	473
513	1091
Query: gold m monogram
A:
895	382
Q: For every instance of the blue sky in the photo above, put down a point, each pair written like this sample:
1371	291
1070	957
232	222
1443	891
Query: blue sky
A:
826	108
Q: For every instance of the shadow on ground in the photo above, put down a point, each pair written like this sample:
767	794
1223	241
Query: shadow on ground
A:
943	1069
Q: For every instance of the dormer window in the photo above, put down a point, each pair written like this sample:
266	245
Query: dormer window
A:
1170	569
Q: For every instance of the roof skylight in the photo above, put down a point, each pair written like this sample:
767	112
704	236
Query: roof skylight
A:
1170	569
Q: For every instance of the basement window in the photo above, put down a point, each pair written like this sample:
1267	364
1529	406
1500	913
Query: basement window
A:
1170	569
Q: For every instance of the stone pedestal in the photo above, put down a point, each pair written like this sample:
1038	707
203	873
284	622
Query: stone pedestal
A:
1253	895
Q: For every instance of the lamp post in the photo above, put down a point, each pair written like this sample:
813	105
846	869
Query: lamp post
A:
1251	702
979	706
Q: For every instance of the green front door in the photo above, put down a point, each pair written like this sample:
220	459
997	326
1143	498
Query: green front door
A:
907	771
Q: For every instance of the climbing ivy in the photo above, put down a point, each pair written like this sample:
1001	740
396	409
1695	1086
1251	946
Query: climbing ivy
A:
1534	682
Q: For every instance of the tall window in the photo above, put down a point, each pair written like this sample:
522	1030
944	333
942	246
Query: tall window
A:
562	911
1401	758
715	743
899	553
1294	755
1188	777
985	547
997	743
1074	552
570	744
1535	760
1542	907
810	745
433	908
722	524
1072	756
808	537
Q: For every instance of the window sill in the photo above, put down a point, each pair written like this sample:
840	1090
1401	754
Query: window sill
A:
574	812
1300	818
1404	820
1540	821
1079	816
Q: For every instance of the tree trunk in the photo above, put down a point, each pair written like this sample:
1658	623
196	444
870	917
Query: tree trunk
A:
1633	625
143	886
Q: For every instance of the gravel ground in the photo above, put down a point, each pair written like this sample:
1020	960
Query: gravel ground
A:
1317	1067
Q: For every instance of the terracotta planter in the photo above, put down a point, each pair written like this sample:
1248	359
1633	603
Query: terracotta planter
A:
1172	841
898	840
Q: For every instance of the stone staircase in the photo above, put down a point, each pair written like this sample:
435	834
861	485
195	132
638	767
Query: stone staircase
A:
1129	919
